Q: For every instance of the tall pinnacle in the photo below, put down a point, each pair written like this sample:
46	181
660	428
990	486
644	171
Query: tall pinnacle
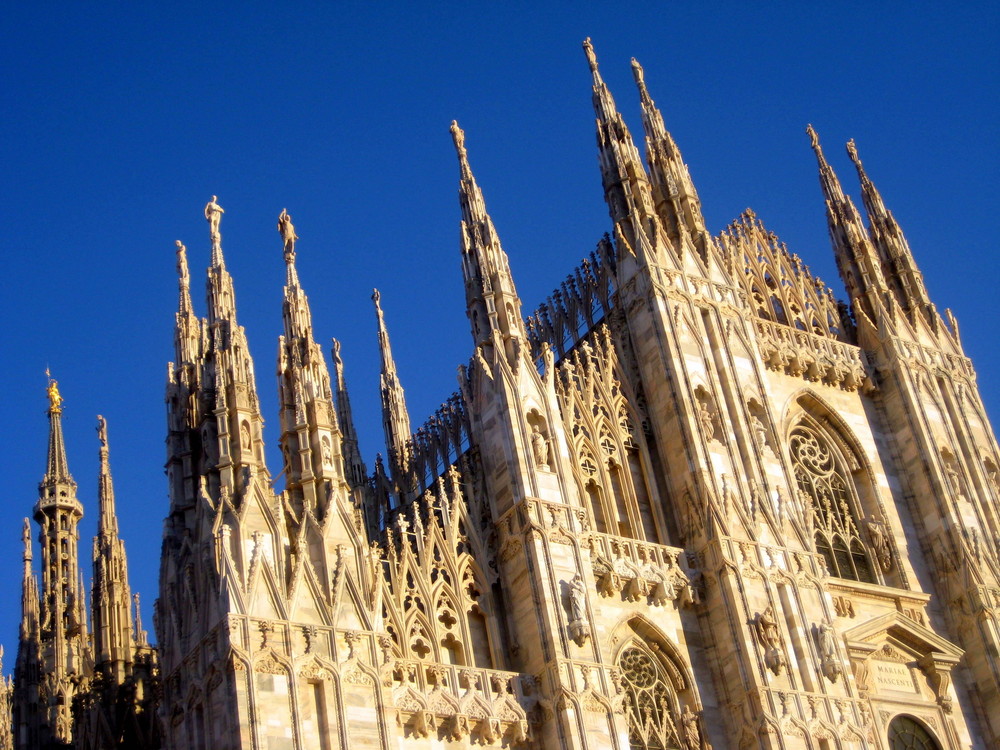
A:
357	472
57	467
857	260
626	186
676	199
491	298
107	523
110	597
892	245
310	437
395	419
29	589
221	297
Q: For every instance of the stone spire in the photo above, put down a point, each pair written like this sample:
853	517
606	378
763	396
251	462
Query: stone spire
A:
187	330
29	589
492	304
395	419
676	199
310	437
28	713
110	595
64	650
885	233
235	426
357	472
56	468
184	384
857	260
626	187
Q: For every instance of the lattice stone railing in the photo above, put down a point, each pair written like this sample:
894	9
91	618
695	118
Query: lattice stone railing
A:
643	570
485	705
803	354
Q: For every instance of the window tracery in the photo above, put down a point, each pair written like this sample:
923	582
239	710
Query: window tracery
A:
779	284
821	477
906	733
650	702
614	471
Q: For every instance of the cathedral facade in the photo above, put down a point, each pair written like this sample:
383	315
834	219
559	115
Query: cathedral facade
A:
692	501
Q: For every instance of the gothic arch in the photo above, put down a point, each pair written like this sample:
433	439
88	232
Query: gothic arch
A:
835	484
906	732
658	697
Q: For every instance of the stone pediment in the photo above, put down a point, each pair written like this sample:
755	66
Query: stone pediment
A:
890	653
904	635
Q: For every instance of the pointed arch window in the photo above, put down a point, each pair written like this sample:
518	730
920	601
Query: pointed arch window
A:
650	702
822	478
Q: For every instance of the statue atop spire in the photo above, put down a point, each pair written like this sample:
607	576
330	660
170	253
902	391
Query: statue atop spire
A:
588	50
182	266
287	231
213	212
55	399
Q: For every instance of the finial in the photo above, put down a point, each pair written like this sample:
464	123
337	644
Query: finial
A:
812	136
458	136
182	264
287	231
588	49
377	298
852	151
213	212
637	73
336	352
102	431
26	538
55	400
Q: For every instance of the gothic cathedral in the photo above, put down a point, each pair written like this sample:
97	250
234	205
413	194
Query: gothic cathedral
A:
691	502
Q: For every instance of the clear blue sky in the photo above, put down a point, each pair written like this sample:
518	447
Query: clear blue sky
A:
121	120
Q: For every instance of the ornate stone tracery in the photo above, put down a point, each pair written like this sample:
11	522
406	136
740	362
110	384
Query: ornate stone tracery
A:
822	479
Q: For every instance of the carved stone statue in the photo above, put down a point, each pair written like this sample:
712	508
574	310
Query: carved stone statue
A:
539	448
102	430
759	432
690	729
706	419
213	212
825	642
579	626
770	638
287	231
880	542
